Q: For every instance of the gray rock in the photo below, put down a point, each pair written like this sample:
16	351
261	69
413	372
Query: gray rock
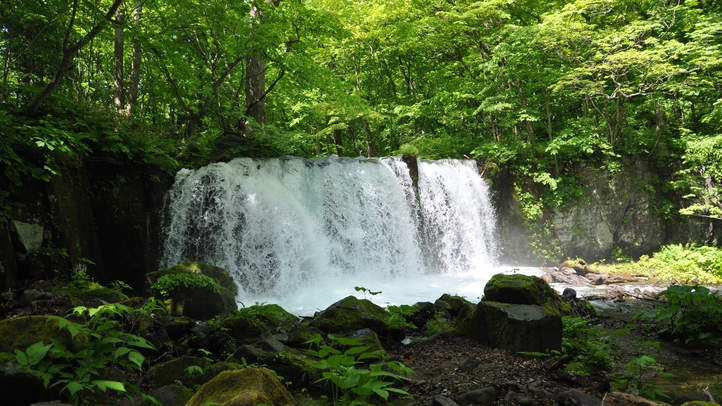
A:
512	326
443	401
483	396
576	397
469	364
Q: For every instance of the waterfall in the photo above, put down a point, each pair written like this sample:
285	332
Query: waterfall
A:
280	226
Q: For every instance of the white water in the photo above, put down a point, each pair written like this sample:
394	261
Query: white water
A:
304	233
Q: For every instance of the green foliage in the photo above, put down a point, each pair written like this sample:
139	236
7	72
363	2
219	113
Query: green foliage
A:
82	375
399	314
676	263
639	368
341	368
166	284
588	347
692	314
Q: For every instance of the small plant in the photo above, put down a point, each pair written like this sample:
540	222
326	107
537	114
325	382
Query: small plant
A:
692	314
339	367
364	290
399	314
80	374
640	366
194	369
588	348
166	284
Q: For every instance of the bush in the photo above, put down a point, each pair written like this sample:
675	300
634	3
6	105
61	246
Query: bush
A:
82	374
692	314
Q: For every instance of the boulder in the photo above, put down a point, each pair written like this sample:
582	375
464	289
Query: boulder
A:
517	327
245	387
18	387
21	332
258	321
288	363
194	289
526	290
352	314
576	397
453	304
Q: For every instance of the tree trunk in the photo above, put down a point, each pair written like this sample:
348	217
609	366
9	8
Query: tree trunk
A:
135	64
118	88
68	57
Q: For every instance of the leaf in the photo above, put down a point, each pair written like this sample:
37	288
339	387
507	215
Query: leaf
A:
115	385
37	352
137	358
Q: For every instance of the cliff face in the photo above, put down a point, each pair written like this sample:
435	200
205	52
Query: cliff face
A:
620	212
98	218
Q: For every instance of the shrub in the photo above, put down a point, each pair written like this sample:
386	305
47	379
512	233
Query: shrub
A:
692	314
82	374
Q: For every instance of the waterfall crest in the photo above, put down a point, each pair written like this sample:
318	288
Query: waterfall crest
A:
278	225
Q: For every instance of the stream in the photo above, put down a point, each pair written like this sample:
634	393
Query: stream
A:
691	371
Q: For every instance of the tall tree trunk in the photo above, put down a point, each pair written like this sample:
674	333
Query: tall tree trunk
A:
134	80
118	88
69	55
256	74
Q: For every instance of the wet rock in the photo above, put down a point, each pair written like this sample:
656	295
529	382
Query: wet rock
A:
351	314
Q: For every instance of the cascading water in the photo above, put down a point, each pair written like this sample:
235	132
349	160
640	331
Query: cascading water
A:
304	232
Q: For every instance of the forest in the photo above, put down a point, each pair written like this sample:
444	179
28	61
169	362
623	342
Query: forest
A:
529	86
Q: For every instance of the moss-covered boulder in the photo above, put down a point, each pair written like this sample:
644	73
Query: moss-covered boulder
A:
452	303
194	289
245	387
287	362
258	321
190	371
525	290
517	327
89	293
352	314
21	332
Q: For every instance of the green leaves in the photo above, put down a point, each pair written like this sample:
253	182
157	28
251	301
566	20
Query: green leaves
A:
107	345
340	368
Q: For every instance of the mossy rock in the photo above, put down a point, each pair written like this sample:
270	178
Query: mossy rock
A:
258	321
176	370
352	314
301	334
195	290
245	387
437	326
21	332
90	293
291	364
700	403
525	290
452	303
